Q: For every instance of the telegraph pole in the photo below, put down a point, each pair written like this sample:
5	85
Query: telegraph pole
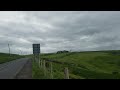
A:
9	48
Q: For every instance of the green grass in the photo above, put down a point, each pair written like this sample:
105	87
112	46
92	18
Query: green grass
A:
87	65
4	57
38	72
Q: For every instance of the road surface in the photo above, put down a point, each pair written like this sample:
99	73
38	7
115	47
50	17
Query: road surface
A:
10	69
26	71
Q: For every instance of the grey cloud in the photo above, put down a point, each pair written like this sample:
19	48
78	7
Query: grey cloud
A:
60	30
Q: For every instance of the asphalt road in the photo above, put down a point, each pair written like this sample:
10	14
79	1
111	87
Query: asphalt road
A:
26	71
10	69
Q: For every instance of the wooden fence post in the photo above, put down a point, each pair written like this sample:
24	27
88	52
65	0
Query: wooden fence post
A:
39	60
51	70
41	63
34	58
66	73
44	67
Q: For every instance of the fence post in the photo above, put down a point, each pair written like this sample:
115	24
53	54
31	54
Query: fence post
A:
41	63
66	73
34	58
44	67
51	70
39	60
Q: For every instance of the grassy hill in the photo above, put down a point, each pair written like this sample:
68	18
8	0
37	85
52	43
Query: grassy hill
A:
87	65
4	57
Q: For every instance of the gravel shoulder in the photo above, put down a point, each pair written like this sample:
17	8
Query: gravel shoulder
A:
26	71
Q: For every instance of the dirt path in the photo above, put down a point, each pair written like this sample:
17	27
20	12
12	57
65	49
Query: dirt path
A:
26	72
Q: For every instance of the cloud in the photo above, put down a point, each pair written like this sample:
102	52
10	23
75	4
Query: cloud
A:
59	30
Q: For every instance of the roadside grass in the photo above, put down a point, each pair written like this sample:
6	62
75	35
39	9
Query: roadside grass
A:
95	65
38	72
86	65
4	57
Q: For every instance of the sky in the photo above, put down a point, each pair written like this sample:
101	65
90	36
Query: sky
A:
59	30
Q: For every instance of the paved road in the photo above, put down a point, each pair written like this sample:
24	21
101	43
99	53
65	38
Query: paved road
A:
26	71
10	69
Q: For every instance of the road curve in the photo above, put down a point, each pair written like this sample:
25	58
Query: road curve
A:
10	69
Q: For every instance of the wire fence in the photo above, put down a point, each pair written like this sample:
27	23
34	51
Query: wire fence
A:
54	69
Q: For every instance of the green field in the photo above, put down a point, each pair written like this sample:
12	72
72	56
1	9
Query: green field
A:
86	65
4	57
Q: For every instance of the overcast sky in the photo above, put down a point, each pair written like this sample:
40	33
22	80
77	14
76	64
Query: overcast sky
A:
59	30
